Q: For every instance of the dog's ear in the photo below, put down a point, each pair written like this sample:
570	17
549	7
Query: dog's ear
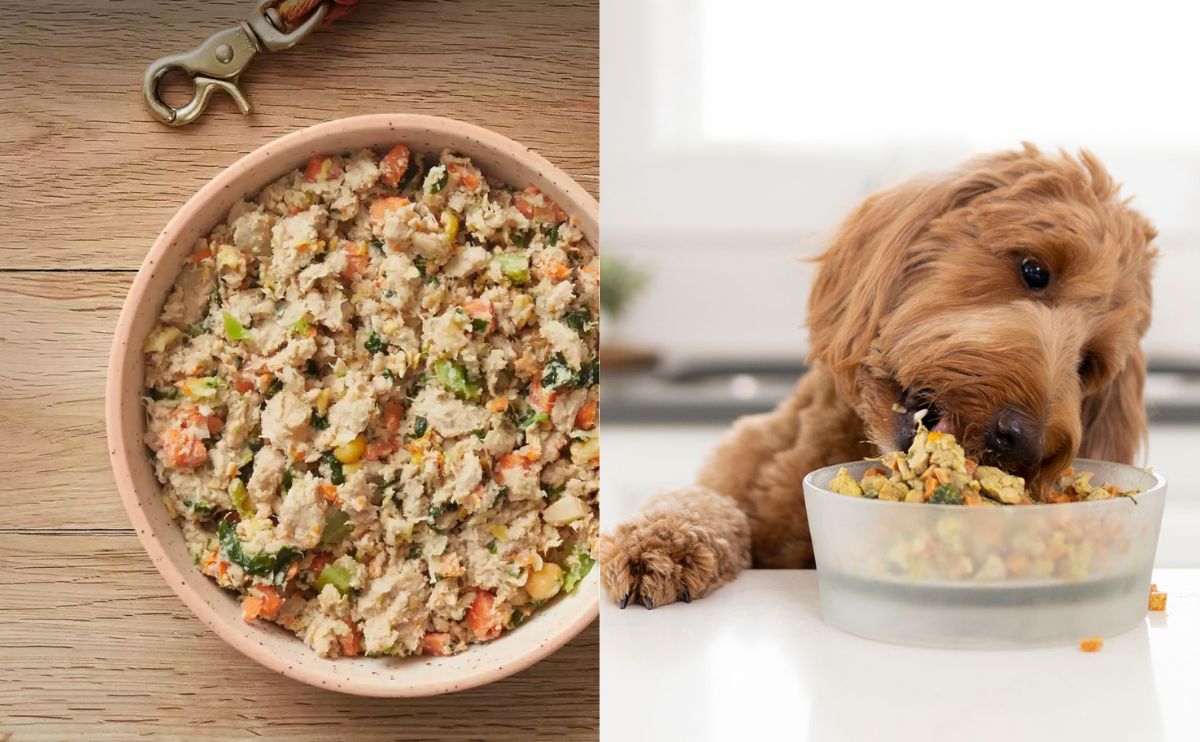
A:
1114	422
861	272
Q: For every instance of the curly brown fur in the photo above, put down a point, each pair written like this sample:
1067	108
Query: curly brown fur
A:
919	300
683	545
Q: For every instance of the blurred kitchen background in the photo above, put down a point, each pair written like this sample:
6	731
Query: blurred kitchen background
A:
736	135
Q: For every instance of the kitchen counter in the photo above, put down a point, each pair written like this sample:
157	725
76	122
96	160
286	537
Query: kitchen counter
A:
755	661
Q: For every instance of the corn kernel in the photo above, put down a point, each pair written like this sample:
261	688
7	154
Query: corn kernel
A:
161	339
349	453
499	531
451	220
323	401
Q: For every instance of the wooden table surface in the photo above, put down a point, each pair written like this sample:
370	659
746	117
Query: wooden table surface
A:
92	642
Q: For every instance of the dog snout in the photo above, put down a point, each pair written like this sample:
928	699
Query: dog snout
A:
1014	438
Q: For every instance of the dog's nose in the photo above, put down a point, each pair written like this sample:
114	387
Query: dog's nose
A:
1014	438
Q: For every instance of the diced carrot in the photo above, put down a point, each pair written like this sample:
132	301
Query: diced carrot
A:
320	168
244	384
393	165
467	175
482	617
1091	644
511	460
481	309
393	412
380	207
557	270
182	448
435	643
201	255
969	466
351	643
1158	601
215	424
380	451
540	397
252	607
271	601
586	417
499	404
318	563
328	491
355	265
526	201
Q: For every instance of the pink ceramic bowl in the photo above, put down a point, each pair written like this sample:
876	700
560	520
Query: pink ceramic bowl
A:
499	157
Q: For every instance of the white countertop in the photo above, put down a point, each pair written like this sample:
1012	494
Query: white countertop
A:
755	661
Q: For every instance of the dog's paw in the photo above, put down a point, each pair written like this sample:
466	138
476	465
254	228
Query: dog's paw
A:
686	545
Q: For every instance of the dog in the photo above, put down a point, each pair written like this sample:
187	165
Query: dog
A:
1008	298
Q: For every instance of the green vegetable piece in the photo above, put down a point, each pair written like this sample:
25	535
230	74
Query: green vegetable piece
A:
557	374
275	387
287	479
336	575
531	418
871	495
377	244
552	236
337	526
203	508
520	237
479	325
514	266
419	262
234	329
301	326
420	427
579	320
273	566
319	421
578	563
336	474
241	499
946	494
491	546
454	377
414	552
440	183
160	394
374	343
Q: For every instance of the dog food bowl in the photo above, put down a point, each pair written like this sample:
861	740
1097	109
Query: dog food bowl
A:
986	577
278	650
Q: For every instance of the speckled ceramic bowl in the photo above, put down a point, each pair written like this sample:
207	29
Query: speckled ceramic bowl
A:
273	647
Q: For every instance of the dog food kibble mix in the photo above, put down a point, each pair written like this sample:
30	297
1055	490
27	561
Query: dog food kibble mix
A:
936	470
1065	545
372	404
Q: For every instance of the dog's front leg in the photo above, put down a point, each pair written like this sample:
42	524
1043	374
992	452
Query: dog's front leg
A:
748	507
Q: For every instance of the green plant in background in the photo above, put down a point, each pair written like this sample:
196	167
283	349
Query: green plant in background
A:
620	283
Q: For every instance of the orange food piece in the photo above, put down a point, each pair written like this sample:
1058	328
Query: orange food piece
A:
355	264
468	176
381	206
511	460
969	467
214	424
526	201
435	643
481	309
557	270
482	617
244	384
182	448
1018	564
252	606
586	417
380	451
201	255
1091	644
271	601
393	165
539	396
1158	601
328	491
499	404
392	415
320	168
351	643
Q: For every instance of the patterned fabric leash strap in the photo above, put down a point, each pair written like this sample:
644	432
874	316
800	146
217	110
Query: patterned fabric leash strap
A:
218	63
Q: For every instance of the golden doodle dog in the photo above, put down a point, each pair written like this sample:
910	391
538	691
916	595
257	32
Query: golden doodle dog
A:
1008	298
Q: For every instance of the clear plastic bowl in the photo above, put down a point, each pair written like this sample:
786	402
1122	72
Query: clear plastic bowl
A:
986	577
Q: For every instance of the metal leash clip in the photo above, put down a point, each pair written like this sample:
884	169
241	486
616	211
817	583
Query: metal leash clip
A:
219	62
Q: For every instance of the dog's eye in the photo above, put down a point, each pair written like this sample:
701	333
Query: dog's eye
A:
1035	275
1087	365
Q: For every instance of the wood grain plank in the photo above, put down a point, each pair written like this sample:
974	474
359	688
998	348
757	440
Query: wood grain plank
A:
142	665
111	177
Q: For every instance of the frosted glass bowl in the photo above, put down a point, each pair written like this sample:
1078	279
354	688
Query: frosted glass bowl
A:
986	577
